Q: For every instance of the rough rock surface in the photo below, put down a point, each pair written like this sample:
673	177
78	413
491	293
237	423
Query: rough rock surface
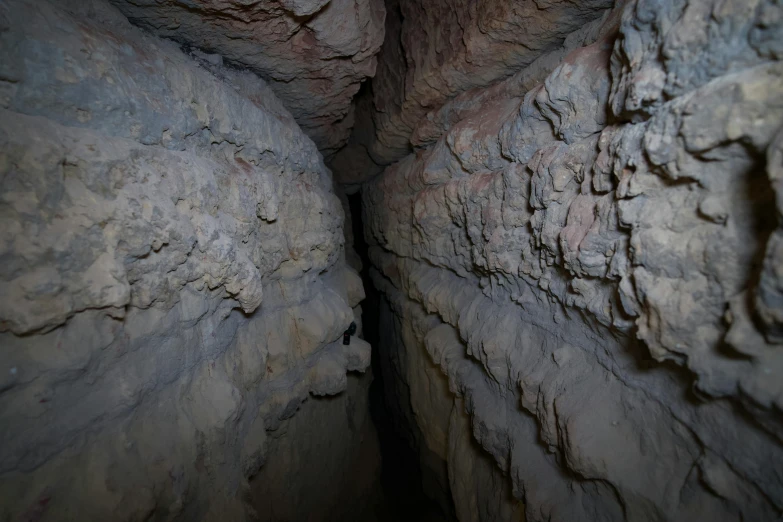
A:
173	279
435	50
589	256
314	54
340	438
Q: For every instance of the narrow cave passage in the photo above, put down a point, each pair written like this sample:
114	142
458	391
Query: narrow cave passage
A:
575	213
401	475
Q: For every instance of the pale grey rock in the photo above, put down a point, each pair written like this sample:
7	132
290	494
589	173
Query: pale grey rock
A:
703	40
314	54
592	261
173	278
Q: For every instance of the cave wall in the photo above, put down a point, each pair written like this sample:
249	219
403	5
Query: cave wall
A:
580	258
335	433
573	210
314	54
436	50
173	282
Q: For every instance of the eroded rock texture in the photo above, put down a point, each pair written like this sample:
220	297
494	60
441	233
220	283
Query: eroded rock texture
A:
434	50
584	258
314	54
173	281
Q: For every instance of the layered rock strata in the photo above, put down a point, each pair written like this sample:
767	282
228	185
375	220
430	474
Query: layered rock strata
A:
173	280
314	54
584	260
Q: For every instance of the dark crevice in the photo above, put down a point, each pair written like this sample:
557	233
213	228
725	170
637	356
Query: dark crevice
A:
401	474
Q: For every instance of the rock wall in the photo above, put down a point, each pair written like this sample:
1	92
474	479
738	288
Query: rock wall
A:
581	268
436	49
313	53
336	434
173	284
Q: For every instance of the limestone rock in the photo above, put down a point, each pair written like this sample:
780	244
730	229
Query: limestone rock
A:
589	252
435	50
314	54
327	434
173	269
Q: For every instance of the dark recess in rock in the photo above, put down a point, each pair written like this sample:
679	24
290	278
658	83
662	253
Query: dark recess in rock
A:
412	260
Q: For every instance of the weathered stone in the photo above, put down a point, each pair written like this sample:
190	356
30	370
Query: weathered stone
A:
314	54
564	250
172	271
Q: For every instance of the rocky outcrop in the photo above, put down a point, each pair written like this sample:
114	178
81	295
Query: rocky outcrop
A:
588	255
314	54
173	279
435	50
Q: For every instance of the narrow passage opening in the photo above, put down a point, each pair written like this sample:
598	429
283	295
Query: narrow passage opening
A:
401	477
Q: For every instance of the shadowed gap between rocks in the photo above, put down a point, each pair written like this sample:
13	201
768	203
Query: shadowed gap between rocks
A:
401	476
